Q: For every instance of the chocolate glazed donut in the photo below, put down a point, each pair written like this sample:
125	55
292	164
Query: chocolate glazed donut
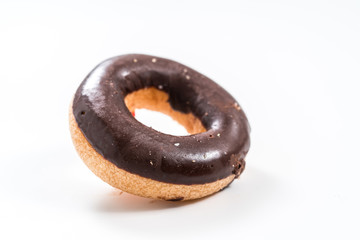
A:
140	160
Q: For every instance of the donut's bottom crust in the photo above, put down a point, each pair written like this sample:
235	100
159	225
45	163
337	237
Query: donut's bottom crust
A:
136	184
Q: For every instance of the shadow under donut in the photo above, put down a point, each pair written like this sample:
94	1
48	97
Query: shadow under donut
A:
119	201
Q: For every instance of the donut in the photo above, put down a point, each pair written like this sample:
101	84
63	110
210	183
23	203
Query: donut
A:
140	160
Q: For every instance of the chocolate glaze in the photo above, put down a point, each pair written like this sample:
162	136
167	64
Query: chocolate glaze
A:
107	124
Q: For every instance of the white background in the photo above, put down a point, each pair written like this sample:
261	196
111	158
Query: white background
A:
294	66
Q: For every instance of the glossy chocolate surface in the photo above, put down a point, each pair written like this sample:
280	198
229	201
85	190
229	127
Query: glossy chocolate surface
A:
107	124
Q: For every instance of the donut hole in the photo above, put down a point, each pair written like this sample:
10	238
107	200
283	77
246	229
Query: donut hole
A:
160	122
156	100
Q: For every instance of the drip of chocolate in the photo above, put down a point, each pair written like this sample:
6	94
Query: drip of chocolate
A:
108	125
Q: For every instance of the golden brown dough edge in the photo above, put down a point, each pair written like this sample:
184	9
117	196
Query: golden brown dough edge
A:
133	183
